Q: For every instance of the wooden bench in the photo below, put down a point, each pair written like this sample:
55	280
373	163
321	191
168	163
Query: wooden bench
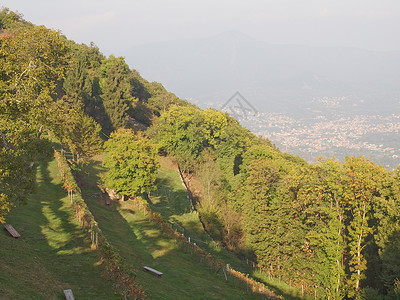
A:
151	270
68	294
12	231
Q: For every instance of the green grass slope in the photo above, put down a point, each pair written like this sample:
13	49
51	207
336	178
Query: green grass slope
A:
142	243
171	201
53	253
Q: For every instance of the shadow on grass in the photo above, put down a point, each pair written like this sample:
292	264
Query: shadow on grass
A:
134	237
169	199
288	295
141	242
47	225
124	235
172	202
59	220
90	177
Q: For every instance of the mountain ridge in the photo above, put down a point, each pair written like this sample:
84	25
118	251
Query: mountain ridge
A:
279	78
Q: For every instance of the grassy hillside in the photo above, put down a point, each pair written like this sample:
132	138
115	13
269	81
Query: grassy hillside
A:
141	242
52	253
54	250
171	201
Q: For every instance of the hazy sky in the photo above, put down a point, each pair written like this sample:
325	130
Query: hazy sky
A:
119	24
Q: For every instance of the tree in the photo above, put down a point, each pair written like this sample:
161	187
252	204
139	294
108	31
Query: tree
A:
387	230
210	176
258	209
16	179
82	82
186	131
115	86
76	129
10	19
180	131
211	200
362	177
159	100
132	162
322	192
33	61
230	147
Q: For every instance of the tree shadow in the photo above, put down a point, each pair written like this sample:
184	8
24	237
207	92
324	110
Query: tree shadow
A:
133	235
173	204
48	227
390	264
168	200
139	240
90	177
279	291
114	226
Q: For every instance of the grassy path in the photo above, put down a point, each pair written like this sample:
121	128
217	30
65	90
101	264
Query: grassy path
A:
53	253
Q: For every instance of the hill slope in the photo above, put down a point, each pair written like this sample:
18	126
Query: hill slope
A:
141	242
53	253
53	249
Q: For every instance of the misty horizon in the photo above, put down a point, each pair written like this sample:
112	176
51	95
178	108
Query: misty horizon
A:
119	25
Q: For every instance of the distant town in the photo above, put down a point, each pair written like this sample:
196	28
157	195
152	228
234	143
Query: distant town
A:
329	134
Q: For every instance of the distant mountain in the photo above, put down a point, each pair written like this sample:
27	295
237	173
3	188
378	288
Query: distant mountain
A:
275	78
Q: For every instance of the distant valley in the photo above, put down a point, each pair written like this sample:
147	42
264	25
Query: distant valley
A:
374	137
300	83
330	131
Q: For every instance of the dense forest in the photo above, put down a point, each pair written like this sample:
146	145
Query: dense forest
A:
332	226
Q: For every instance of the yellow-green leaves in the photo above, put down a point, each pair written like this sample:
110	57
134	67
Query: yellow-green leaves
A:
132	162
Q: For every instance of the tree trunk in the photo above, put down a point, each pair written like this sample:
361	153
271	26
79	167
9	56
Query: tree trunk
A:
339	265
359	249
40	131
5	144
358	262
